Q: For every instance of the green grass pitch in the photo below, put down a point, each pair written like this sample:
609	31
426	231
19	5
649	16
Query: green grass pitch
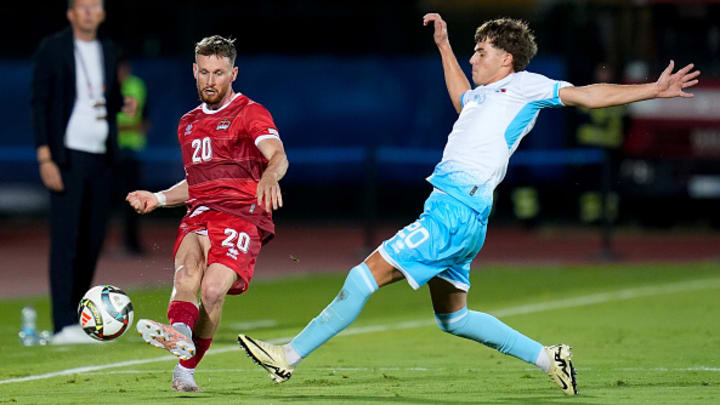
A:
642	334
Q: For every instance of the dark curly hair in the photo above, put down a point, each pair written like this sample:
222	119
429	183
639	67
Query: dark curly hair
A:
512	36
217	45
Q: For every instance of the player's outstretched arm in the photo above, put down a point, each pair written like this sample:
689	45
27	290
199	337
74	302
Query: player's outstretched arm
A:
599	95
455	79
268	188
144	201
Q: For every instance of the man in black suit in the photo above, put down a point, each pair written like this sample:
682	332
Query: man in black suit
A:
75	100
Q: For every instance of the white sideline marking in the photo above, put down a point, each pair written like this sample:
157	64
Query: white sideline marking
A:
419	369
624	294
257	324
254	370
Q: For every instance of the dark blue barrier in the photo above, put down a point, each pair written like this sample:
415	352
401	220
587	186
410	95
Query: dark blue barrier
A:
317	101
163	165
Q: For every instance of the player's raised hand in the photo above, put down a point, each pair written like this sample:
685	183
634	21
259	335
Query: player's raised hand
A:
671	84
142	201
441	35
268	193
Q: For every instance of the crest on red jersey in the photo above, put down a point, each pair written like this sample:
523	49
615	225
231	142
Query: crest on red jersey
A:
222	125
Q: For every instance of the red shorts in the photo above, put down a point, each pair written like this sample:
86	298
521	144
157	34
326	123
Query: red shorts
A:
234	242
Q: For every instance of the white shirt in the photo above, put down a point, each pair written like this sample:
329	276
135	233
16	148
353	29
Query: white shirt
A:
87	130
493	120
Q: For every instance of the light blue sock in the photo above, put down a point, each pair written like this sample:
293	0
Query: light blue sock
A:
490	331
358	287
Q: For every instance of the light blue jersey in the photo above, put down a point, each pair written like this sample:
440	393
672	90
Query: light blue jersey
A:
491	124
451	230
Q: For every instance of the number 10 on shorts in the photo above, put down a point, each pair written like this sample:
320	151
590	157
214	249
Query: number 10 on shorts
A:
411	236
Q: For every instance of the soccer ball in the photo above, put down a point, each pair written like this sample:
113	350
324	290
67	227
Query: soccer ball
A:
105	312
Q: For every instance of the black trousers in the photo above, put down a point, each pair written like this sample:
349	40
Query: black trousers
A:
127	176
78	218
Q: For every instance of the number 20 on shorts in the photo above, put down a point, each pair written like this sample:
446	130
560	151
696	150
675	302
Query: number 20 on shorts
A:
243	240
411	236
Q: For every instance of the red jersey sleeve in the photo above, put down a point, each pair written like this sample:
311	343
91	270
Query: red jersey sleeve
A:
259	123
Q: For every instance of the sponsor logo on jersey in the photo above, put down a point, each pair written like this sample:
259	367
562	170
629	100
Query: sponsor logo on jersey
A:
223	125
188	129
501	90
478	98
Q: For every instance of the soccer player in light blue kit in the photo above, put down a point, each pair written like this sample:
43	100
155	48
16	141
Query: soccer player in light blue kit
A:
437	248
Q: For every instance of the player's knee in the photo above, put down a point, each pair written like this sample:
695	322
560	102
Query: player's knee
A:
188	275
453	323
212	293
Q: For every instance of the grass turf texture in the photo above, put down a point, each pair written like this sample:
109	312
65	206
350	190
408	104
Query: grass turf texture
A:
638	344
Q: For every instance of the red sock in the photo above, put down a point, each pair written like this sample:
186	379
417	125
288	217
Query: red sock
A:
201	346
183	311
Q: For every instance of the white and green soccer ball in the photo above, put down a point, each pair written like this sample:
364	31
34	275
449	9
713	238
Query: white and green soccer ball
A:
105	312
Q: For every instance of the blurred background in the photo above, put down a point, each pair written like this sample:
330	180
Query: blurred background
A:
357	92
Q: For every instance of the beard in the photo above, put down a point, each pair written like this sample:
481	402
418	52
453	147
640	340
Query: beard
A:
212	98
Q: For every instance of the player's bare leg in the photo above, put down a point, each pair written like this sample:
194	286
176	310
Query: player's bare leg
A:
445	297
178	337
217	282
383	272
190	267
453	316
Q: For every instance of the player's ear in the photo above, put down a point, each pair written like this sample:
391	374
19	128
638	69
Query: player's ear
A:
234	73
195	70
508	59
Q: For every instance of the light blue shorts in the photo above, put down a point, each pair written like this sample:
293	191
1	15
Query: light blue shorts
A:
442	243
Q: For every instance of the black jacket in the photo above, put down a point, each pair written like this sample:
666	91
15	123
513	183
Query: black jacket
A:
53	93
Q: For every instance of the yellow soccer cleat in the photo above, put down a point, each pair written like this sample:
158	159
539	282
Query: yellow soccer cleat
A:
561	368
268	356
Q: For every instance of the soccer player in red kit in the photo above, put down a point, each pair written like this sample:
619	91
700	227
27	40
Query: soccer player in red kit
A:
233	160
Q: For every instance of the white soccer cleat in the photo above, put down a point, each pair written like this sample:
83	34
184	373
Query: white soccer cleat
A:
166	337
72	335
561	370
268	356
184	380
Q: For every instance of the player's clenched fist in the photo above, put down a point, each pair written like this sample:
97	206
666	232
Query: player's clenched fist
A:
142	201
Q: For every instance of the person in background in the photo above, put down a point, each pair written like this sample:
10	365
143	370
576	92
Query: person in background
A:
132	130
75	99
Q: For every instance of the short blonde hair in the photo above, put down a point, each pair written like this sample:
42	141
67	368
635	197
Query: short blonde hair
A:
216	45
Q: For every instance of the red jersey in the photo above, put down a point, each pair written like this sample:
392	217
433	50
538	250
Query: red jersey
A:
222	162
